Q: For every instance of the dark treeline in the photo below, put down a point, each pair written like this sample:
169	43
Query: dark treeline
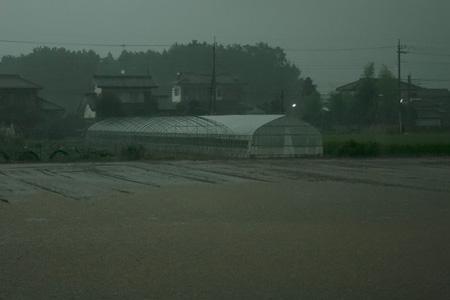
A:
375	101
66	75
273	83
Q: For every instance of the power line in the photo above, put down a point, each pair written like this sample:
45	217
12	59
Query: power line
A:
430	63
338	49
434	80
169	45
82	44
429	53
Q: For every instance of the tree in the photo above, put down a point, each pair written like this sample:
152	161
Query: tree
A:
374	102
310	108
369	70
363	105
272	107
308	87
191	108
338	108
388	96
66	75
265	69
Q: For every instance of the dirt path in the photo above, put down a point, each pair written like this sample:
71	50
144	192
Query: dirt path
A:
277	229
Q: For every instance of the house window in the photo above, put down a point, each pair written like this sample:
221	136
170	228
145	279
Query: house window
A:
176	91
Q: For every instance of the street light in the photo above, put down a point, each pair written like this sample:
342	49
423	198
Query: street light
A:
324	110
400	116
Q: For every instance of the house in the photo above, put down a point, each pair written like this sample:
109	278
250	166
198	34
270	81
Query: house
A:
431	108
134	94
354	86
229	92
428	108
51	110
87	107
20	102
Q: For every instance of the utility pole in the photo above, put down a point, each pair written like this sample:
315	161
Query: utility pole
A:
282	102
409	103
400	51
212	97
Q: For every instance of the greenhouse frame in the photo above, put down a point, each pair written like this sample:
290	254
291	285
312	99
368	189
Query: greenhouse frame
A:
234	136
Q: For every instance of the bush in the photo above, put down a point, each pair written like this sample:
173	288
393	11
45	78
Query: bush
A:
28	156
4	157
355	149
133	152
101	154
351	148
59	155
420	149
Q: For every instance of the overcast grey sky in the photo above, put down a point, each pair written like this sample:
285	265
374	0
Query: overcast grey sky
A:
321	37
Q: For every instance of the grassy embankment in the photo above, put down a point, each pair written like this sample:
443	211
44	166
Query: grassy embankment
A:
70	149
337	145
74	150
371	145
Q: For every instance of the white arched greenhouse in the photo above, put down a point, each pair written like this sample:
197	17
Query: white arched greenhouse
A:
220	136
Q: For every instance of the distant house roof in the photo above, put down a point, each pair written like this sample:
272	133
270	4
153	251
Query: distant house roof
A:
49	106
89	99
434	94
124	81
205	79
14	81
353	86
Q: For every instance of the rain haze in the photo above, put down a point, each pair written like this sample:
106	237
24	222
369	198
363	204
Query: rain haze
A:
329	41
140	159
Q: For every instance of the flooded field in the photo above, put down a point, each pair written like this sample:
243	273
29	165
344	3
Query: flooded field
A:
249	229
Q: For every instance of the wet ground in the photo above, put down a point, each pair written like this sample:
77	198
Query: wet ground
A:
248	229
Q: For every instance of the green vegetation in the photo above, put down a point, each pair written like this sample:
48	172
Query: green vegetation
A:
66	75
370	145
17	149
308	104
373	102
58	155
133	152
335	145
344	145
27	156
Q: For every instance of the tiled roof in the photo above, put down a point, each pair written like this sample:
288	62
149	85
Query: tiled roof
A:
434	93
353	86
47	105
191	78
124	81
13	81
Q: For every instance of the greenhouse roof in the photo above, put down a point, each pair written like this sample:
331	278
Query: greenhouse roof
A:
236	125
243	124
162	125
